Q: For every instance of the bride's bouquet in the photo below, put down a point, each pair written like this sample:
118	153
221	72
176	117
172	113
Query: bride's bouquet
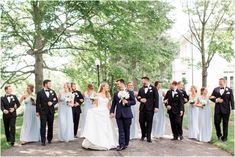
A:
93	98
123	95
69	99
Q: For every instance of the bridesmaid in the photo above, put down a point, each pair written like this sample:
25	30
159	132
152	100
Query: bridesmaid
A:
65	115
158	128
134	108
88	95
30	131
204	121
193	113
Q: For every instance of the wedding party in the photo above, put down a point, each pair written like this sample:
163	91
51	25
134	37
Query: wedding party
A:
117	78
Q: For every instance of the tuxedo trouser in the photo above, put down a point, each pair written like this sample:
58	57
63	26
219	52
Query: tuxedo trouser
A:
49	120
146	121
181	129
10	127
176	124
124	131
76	117
217	120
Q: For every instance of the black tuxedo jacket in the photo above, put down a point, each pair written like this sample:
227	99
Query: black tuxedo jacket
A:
228	98
175	102
77	97
123	111
185	96
151	96
42	102
6	105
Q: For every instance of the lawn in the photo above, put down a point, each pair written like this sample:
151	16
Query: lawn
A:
227	146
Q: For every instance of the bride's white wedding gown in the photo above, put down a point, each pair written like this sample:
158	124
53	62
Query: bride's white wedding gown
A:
99	130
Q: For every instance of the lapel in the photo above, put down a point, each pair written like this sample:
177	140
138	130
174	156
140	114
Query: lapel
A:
44	93
6	100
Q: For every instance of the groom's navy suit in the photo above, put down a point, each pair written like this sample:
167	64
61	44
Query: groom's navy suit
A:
123	117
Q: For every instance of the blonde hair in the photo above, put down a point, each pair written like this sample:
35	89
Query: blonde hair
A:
101	87
68	86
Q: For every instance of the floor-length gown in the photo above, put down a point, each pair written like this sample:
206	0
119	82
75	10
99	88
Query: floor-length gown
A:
30	131
193	118
158	128
99	130
134	129
65	119
85	107
204	121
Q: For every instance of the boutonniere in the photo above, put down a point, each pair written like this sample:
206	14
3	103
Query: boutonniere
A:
12	98
75	93
54	99
151	91
150	87
51	91
226	89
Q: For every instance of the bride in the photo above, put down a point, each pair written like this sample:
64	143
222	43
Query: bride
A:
99	131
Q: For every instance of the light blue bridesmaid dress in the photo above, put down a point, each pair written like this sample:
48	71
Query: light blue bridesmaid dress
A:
30	131
193	119
204	121
158	128
65	119
85	107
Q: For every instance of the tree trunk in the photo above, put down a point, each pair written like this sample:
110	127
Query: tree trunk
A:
203	53
38	44
38	71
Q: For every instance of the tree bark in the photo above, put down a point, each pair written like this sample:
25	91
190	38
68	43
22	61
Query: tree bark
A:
203	55
38	71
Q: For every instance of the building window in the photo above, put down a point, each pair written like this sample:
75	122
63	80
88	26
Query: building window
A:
231	82
225	77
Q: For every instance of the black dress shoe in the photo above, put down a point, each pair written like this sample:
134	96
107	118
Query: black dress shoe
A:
49	142
43	144
224	139
150	141
75	136
120	148
219	138
12	143
142	138
174	139
181	138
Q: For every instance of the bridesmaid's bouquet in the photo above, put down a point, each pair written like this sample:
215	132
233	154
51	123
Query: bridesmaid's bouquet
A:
203	102
93	98
123	95
191	101
69	99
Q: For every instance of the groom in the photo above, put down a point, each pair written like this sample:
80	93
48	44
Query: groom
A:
45	102
123	114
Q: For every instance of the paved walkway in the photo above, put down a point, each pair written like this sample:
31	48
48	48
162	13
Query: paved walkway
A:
159	147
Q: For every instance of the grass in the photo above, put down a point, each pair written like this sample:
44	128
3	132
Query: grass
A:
227	146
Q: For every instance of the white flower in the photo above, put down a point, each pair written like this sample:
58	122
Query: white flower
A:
226	89
150	87
123	95
51	91
12	97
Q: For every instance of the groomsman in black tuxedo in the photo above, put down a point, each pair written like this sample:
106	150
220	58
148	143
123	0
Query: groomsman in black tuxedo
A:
174	101
148	98
123	114
78	100
45	102
180	86
9	104
223	98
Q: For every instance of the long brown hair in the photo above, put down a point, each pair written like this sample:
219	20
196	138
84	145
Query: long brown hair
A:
31	87
101	87
68	86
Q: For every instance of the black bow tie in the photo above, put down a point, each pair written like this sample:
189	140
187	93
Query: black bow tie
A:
8	95
145	86
47	90
222	88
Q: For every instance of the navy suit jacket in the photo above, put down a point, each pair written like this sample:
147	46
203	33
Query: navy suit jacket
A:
123	111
